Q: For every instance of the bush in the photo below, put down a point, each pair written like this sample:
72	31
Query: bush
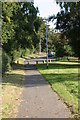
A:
60	52
32	51
15	55
68	50
5	62
25	52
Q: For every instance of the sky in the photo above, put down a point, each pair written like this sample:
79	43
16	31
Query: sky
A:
47	8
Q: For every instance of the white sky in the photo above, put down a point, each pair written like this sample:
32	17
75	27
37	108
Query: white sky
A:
47	8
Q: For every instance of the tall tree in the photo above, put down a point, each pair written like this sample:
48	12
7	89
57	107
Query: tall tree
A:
68	22
18	26
42	34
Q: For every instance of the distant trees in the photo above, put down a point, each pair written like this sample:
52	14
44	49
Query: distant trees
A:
57	42
42	36
68	24
60	45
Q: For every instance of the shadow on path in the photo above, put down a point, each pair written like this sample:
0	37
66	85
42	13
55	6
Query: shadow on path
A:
38	100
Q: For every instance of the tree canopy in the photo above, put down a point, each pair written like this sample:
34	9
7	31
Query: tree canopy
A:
22	28
20	25
68	22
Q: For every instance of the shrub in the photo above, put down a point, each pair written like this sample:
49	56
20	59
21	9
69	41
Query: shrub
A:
5	62
15	54
60	52
25	52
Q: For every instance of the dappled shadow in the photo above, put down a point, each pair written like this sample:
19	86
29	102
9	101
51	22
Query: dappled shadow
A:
73	61
16	66
38	80
58	66
34	80
30	67
20	80
28	81
13	79
34	58
56	77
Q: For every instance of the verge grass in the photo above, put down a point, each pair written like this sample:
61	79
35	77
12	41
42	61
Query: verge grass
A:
12	84
0	79
0	61
63	78
36	55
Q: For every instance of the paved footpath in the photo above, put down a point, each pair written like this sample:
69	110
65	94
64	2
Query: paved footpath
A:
38	99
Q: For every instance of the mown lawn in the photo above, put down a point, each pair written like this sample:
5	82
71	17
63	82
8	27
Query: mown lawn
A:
12	85
35	55
0	62
0	77
63	78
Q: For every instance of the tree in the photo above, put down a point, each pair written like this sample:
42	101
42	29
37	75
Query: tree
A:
68	22
42	35
19	27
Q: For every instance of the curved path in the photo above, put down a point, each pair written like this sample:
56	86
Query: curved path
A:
38	99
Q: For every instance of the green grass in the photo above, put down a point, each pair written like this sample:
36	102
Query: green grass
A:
35	55
63	77
0	78
12	85
0	59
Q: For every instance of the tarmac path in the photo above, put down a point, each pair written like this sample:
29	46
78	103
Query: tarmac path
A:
38	100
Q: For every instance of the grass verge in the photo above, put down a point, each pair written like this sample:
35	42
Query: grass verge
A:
36	55
63	78
0	79
12	84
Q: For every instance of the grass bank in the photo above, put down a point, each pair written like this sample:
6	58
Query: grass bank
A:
12	84
0	78
35	55
63	78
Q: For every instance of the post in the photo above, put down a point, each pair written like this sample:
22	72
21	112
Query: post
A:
36	62
17	61
43	61
46	44
28	62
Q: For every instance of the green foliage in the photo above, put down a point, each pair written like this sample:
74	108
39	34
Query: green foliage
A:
42	35
68	50
25	52
37	24
20	25
68	22
60	52
5	62
15	54
60	45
